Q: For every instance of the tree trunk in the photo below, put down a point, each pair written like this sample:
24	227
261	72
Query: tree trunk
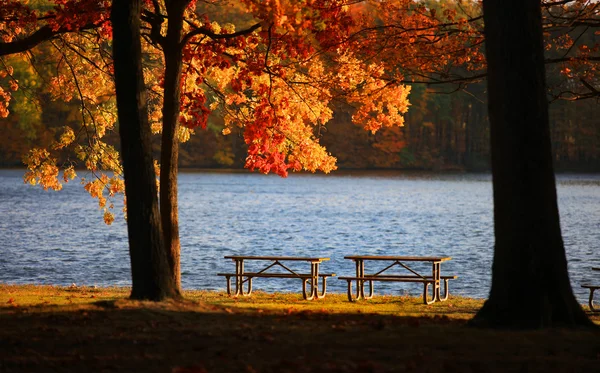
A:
172	49
151	274
530	282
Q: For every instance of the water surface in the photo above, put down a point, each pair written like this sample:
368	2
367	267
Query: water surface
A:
59	238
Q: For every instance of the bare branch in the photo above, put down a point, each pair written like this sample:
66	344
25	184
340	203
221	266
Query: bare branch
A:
206	32
43	34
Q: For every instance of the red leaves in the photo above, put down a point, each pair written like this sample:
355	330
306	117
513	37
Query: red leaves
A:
264	151
73	15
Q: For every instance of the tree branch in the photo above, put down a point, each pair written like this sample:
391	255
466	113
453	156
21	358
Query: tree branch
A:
43	34
206	32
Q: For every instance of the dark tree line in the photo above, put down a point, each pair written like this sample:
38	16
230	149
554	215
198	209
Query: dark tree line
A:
441	132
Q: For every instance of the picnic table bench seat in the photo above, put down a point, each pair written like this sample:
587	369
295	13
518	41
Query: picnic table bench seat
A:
397	278
425	280
276	275
305	277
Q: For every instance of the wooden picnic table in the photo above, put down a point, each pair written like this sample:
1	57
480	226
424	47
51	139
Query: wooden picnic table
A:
592	288
398	261
266	271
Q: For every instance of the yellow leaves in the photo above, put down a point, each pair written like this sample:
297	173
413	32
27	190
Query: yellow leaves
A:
156	168
42	169
385	109
380	103
4	100
99	155
69	174
313	157
226	131
228	28
97	187
108	217
215	27
67	137
156	127
157	172
115	185
184	134
62	88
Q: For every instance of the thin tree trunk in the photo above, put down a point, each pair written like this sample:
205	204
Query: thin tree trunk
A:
151	274
172	49
530	282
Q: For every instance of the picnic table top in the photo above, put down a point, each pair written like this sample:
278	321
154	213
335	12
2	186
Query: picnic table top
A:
400	258
297	258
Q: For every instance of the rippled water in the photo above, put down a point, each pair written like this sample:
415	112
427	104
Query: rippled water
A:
59	238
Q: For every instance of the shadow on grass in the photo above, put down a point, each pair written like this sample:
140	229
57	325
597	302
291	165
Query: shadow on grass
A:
191	337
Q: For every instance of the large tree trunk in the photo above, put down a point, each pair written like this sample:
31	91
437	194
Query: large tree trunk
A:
152	277
172	49
530	282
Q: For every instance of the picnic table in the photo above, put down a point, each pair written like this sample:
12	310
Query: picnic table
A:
434	278
592	288
274	267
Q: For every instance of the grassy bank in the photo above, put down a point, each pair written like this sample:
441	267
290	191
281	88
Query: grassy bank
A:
47	328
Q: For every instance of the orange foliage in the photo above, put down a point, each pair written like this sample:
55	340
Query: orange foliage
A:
270	69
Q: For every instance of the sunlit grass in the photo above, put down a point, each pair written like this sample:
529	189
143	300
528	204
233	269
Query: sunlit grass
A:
45	295
50	297
455	307
46	298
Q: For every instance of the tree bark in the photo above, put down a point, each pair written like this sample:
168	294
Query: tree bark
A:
172	49
530	282
152	277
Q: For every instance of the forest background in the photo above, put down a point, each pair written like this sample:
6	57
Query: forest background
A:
446	127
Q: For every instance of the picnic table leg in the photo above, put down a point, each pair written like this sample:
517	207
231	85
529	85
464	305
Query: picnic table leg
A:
316	279
591	301
239	269
228	278
446	290
323	285
305	294
370	290
426	292
360	284
249	291
436	284
323	288
239	280
350	297
314	283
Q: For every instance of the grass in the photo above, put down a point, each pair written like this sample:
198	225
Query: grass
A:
83	329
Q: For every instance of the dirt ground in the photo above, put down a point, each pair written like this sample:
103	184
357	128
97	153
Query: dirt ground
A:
95	333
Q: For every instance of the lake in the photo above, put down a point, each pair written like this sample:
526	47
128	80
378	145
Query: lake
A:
59	238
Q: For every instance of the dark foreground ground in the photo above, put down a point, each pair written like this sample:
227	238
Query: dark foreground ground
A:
46	329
